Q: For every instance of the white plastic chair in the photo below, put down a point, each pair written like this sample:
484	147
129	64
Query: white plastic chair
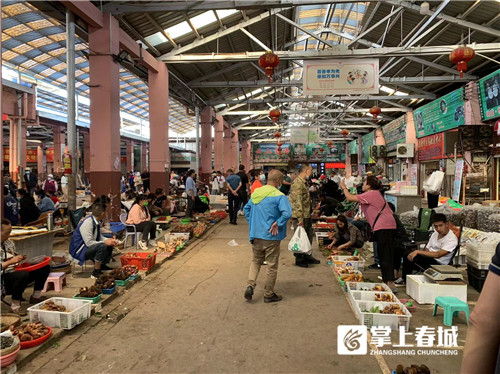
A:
134	234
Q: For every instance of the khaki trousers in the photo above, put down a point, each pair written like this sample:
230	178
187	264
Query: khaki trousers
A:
269	251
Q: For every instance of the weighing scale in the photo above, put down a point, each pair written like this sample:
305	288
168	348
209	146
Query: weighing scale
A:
443	273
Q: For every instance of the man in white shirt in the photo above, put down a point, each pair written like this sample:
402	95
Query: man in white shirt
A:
64	186
438	251
221	180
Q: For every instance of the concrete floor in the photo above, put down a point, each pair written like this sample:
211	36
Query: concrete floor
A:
191	317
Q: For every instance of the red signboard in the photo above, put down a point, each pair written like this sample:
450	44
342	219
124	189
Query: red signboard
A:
334	165
31	155
123	160
49	154
431	147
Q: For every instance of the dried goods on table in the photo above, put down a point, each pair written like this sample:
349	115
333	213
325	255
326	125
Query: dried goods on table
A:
495	223
53	307
470	213
105	282
89	292
30	331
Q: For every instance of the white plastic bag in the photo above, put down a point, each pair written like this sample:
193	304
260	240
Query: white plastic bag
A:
433	184
300	242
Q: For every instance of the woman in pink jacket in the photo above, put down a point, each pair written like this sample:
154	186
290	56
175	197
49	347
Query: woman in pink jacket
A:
140	218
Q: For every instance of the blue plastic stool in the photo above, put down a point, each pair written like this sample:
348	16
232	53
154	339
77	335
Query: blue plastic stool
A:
451	307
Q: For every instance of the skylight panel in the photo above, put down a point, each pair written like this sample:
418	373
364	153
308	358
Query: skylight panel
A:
223	13
203	19
179	29
386	89
156	39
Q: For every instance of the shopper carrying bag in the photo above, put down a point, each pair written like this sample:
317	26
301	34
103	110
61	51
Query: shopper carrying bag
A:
300	242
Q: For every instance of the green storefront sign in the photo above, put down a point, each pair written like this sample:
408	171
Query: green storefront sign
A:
353	147
440	115
395	133
489	96
367	141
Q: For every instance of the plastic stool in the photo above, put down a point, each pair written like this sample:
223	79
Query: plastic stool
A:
451	307
58	280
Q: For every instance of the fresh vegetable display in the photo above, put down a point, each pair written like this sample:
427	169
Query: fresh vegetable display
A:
184	228
199	229
344	269
387	297
105	282
130	270
390	309
89	292
378	288
30	331
53	307
119	274
352	277
353	258
331	234
172	245
6	341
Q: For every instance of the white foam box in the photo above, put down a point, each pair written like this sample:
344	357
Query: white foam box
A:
394	321
424	291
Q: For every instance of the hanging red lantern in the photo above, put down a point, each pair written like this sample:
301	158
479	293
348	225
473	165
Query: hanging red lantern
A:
269	61
277	134
345	132
315	152
321	150
279	143
279	149
375	111
460	56
330	143
275	114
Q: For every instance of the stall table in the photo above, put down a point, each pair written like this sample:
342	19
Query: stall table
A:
36	244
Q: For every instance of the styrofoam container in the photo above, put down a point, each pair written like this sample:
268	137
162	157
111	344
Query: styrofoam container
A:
342	261
320	236
394	321
424	291
175	235
79	312
478	265
364	286
369	295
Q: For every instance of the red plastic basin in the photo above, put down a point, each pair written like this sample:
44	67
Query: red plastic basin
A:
27	267
35	342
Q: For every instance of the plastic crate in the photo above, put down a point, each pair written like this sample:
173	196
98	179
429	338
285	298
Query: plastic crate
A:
369	296
322	239
342	261
478	265
481	273
394	321
365	286
109	291
122	283
424	291
339	276
475	282
93	300
480	252
143	260
79	312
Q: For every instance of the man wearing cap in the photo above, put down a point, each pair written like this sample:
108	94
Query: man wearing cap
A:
31	181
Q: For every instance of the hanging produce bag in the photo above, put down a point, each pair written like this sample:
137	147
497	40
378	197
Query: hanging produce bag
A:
433	184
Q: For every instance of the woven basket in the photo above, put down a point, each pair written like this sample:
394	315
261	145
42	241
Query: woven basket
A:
10	319
12	348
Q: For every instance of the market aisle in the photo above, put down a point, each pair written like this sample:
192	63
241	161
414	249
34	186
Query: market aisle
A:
191	317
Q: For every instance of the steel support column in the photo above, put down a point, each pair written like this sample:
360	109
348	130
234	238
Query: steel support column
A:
71	125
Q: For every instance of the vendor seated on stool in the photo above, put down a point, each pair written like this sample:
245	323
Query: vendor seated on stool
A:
328	205
139	217
438	251
87	242
347	236
15	282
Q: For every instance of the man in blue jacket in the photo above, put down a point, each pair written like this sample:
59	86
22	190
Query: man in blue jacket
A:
87	242
267	213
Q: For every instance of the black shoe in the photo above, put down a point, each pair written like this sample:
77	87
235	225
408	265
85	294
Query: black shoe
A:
311	260
374	266
273	298
105	267
249	293
302	264
96	274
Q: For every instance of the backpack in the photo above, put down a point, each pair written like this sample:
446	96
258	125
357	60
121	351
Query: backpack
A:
50	186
